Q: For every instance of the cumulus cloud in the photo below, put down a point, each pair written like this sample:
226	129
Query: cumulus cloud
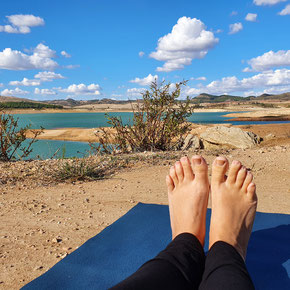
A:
201	78
135	92
41	58
46	92
82	89
145	81
267	2
16	92
270	80
251	17
188	40
285	11
20	23
269	60
25	82
141	53
65	54
47	76
235	27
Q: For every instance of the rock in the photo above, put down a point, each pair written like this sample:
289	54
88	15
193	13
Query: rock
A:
191	142
229	137
56	240
269	137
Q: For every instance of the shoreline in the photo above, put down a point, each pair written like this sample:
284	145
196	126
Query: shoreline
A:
88	134
113	110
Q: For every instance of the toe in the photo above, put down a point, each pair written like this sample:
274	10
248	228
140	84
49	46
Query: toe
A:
187	170
219	169
241	176
233	171
200	169
179	171
247	181
169	183
172	173
251	192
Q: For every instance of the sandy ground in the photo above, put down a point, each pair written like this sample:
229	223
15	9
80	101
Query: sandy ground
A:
40	226
262	113
88	135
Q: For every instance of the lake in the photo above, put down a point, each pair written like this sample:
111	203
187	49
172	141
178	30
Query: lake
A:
44	149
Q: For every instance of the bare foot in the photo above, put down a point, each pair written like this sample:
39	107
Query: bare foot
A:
188	190
234	203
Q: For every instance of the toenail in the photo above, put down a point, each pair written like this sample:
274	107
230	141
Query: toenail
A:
236	162
220	162
183	159
196	160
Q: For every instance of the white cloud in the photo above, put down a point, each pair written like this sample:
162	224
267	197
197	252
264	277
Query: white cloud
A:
251	17
235	27
16	92
285	11
25	82
46	92
47	76
269	60
201	78
145	81
65	54
135	92
17	60
20	23
188	40
141	53
72	66
219	31
82	89
269	80
1	84
233	13
267	2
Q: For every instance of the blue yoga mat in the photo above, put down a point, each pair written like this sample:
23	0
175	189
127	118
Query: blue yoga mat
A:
143	232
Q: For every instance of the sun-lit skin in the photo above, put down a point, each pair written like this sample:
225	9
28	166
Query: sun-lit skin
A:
234	201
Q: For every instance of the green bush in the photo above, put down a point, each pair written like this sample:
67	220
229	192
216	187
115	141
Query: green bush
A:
159	122
12	138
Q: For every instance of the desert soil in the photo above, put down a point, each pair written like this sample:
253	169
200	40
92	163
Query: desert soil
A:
40	225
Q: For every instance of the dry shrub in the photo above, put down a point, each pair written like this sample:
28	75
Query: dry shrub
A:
159	123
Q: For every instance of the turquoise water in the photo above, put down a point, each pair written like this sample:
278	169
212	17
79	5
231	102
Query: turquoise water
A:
45	149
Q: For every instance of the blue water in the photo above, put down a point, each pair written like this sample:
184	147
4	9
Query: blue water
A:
45	149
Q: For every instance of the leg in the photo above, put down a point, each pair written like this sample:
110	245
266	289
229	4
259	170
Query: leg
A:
181	264
234	204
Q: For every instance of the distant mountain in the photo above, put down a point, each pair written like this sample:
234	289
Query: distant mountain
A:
14	99
75	103
202	98
208	98
280	97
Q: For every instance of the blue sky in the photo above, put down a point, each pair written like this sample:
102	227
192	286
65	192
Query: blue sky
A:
113	49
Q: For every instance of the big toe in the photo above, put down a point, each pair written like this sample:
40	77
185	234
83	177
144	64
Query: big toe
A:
219	169
200	169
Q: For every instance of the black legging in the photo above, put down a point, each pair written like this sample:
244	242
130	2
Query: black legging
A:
183	265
